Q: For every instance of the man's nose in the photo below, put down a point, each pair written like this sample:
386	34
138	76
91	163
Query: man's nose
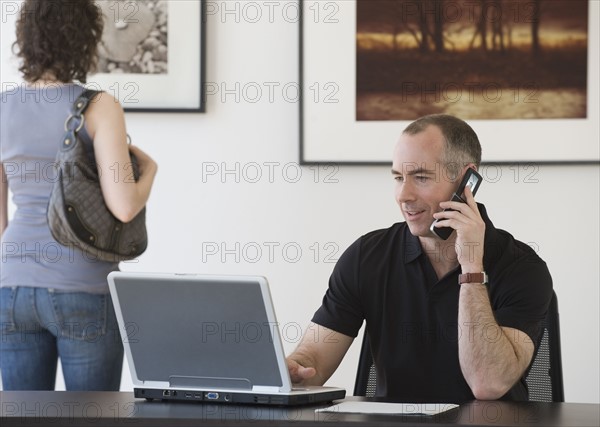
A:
405	192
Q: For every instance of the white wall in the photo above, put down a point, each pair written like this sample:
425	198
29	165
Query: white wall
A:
190	211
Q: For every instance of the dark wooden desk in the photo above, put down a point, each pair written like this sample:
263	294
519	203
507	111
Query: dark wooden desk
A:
36	408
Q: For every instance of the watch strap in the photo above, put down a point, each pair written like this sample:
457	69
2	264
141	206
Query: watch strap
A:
473	278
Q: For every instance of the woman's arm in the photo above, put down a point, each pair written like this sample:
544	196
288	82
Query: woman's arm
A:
3	200
105	123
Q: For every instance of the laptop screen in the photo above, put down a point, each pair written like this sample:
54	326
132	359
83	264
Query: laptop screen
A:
198	332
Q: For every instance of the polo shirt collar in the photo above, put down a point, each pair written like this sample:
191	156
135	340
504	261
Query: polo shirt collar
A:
412	246
490	239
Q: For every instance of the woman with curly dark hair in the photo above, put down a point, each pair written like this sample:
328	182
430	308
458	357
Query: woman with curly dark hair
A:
54	300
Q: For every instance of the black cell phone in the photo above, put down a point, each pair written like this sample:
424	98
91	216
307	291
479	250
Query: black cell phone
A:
472	180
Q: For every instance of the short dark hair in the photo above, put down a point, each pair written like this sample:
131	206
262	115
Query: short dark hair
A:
462	144
58	37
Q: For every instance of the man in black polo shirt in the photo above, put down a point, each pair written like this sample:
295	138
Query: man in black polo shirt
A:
437	334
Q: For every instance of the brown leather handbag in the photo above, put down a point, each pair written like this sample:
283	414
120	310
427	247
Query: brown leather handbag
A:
77	214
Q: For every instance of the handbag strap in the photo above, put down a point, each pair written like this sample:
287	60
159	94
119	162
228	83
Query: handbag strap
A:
81	103
76	119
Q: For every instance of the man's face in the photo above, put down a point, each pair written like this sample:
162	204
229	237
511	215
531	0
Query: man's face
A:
421	179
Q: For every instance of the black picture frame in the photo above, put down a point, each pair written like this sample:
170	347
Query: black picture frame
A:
330	133
182	88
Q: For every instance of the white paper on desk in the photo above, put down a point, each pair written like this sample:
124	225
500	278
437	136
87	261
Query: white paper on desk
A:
389	408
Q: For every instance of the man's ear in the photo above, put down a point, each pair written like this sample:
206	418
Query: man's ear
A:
472	166
463	171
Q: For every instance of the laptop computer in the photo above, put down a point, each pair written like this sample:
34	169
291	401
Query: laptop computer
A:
205	338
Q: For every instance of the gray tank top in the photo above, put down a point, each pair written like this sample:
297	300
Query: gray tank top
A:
31	131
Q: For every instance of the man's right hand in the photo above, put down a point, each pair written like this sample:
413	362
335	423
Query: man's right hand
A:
318	355
299	373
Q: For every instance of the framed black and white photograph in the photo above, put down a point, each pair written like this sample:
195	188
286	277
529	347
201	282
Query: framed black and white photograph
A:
518	72
151	57
152	54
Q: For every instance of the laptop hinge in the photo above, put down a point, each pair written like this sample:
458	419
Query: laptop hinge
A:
210	382
265	389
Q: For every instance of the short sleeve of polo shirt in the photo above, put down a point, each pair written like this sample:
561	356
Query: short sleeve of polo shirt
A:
521	294
341	308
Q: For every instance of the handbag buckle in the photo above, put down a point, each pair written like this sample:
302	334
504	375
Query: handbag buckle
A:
81	118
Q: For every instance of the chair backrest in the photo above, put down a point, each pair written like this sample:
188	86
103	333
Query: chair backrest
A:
544	378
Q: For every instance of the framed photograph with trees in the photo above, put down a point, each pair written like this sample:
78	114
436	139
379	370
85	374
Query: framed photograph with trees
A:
517	71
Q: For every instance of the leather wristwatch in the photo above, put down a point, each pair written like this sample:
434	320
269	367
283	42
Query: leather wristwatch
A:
473	278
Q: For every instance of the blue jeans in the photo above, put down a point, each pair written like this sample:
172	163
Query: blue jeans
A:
40	325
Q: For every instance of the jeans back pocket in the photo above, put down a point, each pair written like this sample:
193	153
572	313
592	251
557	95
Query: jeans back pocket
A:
7	310
80	315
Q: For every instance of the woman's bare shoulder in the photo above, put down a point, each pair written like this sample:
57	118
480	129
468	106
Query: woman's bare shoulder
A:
105	103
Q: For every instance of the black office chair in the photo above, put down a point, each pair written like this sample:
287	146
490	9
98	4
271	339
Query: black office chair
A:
544	379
